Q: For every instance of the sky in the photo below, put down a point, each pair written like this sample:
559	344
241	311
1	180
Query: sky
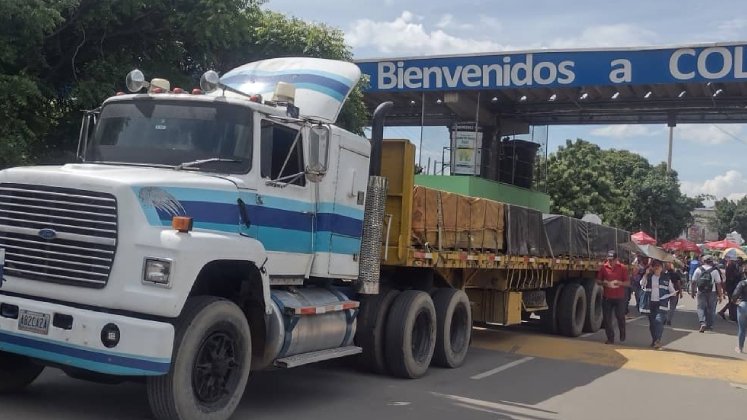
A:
710	159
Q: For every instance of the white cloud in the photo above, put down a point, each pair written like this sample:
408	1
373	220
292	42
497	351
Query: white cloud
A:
710	134
732	184
447	21
406	35
621	131
617	35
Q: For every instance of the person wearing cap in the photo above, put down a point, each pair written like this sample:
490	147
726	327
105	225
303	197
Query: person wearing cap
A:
707	297
657	289
613	276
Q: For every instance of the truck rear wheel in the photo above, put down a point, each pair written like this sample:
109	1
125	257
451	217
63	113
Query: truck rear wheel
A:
572	310
410	334
549	317
371	328
17	372
210	365
453	327
593	305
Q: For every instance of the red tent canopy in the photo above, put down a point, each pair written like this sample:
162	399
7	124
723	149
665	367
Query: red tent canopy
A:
643	238
681	245
722	244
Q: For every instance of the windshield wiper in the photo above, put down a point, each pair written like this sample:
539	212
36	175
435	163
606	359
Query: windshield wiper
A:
201	161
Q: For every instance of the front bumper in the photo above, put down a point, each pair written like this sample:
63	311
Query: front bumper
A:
144	348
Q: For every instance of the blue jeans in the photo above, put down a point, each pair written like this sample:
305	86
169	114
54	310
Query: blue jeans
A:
707	308
656	321
742	323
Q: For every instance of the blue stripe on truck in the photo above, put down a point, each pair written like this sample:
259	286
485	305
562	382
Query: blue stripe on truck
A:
97	361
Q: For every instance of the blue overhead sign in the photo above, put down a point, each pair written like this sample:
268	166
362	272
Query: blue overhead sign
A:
548	69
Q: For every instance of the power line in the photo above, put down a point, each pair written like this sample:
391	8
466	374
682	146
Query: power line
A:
732	135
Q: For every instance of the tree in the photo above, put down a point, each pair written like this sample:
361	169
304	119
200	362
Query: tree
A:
621	186
731	216
58	57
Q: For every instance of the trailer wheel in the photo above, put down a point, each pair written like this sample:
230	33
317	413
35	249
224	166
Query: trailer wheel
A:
370	331
594	297
17	372
572	310
549	317
453	327
210	365
410	334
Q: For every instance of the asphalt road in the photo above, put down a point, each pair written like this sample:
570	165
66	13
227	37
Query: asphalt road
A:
511	373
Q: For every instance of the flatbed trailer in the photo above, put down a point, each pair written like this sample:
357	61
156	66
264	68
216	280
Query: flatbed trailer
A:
502	288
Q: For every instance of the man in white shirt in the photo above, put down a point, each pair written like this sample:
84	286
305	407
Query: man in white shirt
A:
708	284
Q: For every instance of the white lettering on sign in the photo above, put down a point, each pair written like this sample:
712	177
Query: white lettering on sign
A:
718	68
725	68
622	71
674	61
393	75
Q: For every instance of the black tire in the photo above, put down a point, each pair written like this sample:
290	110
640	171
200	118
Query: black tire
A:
594	298
572	310
453	327
208	326
17	372
370	332
549	317
410	334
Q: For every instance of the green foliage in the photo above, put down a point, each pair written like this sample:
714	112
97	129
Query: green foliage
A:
58	57
731	216
620	186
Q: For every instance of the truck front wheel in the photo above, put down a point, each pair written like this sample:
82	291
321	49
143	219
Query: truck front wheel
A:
17	372
210	364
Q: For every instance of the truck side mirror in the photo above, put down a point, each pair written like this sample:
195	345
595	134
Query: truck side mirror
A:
318	153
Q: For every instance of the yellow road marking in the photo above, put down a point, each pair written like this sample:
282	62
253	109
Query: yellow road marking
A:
648	360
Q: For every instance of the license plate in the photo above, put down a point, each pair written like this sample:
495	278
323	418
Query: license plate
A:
35	322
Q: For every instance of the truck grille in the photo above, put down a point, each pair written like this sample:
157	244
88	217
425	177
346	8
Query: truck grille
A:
59	235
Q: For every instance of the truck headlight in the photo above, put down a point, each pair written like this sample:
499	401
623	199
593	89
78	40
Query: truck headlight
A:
157	271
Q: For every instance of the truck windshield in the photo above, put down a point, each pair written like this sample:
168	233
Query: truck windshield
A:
150	132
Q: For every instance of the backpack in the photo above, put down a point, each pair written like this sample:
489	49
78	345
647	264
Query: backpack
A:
705	280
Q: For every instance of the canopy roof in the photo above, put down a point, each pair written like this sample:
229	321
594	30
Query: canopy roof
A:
685	84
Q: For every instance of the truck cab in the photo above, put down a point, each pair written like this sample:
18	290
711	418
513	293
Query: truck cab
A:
191	237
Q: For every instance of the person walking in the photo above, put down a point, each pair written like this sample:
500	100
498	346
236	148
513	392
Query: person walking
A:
733	276
613	276
706	284
739	299
640	265
674	299
657	290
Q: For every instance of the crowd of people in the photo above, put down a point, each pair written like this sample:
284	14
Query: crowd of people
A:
657	288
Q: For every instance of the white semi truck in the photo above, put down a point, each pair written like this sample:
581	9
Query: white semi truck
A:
212	233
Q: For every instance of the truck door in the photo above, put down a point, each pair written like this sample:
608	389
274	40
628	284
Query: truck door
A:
283	208
347	225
